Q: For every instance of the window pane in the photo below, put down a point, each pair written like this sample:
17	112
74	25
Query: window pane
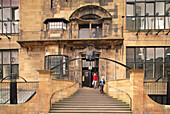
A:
6	57
167	23
130	55
6	70
15	70
6	27
96	31
15	14
130	23
168	7
139	66
159	54
140	9
6	2
150	8
149	54
84	31
0	14
6	13
0	3
53	61
131	65
0	27
14	57
0	57
130	0
159	23
14	2
130	8
160	8
167	69
140	23
159	70
149	72
15	27
167	54
140	55
149	22
1	75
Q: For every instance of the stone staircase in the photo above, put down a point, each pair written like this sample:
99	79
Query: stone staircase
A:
89	100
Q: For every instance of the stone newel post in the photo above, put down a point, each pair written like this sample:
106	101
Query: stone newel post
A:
45	89
137	90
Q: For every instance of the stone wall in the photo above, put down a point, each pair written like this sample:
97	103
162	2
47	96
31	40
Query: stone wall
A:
40	103
141	102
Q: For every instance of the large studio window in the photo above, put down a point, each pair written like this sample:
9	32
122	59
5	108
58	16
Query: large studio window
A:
9	16
9	63
149	14
52	60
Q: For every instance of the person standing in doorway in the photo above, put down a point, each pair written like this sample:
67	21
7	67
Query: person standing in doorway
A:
102	82
95	79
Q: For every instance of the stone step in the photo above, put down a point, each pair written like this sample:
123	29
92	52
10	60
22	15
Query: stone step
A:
90	108
88	111
93	113
78	104
116	106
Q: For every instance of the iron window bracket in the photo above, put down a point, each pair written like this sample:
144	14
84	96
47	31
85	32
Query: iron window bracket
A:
158	32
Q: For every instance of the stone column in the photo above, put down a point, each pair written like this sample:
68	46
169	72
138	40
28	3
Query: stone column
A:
137	90
45	90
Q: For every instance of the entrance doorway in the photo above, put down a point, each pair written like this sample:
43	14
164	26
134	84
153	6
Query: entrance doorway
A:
88	69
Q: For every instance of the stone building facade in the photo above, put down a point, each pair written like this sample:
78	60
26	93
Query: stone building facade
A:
54	31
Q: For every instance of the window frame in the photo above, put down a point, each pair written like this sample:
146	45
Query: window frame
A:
155	26
2	64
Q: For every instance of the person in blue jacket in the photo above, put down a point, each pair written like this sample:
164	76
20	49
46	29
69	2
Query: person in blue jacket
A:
102	82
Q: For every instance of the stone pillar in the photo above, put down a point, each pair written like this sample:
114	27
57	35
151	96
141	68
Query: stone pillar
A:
45	90
137	90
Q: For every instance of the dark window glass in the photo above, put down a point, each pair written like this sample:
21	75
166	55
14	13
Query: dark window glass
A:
130	23
158	70
52	3
130	55
6	57
96	31
6	70
1	75
131	65
167	69
149	54
140	66
14	57
84	31
0	14
0	3
15	14
168	7
15	26
6	2
167	54
149	72
140	23
159	54
140	55
14	2
0	57
140	9
15	70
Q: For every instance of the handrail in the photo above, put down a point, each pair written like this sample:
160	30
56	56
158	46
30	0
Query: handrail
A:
59	91
10	77
125	93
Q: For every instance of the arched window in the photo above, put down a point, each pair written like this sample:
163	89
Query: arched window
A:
91	21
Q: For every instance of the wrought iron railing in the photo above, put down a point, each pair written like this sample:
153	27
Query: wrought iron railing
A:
25	90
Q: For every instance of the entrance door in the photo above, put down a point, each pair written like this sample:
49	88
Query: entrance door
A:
86	78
